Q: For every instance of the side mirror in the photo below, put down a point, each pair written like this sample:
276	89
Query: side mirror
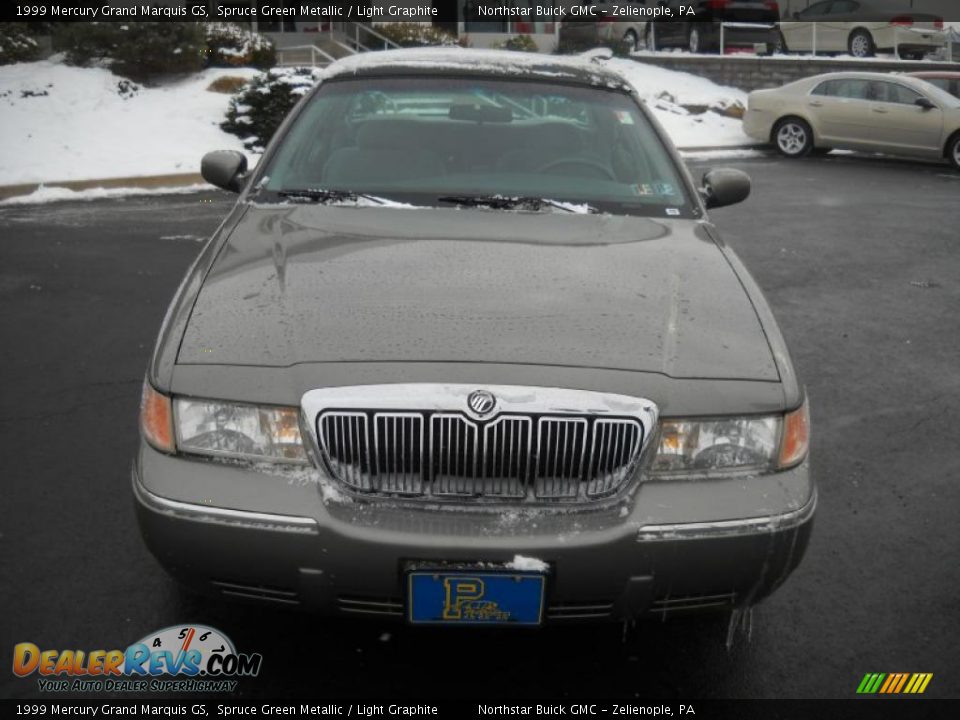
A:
925	103
796	15
725	186
224	168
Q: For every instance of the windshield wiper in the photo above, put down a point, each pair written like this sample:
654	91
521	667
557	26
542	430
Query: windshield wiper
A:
323	195
502	202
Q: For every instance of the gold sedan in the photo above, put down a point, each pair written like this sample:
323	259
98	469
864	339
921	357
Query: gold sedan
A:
871	112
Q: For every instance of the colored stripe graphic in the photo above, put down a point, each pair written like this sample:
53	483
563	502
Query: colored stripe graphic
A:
894	683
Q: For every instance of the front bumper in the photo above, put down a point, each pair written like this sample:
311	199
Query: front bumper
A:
292	538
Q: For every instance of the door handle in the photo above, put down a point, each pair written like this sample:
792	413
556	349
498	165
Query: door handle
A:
816	104
881	111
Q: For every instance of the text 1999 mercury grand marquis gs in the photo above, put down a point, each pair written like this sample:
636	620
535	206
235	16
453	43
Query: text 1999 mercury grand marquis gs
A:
468	350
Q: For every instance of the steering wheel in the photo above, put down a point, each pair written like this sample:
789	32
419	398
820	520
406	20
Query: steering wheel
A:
598	168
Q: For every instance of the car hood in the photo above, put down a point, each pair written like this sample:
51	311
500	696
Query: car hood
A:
312	284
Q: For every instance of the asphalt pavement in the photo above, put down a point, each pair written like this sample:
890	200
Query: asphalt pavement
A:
860	259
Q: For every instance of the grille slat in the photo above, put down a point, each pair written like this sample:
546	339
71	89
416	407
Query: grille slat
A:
420	453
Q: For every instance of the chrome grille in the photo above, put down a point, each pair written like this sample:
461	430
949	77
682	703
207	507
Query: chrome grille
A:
398	444
573	456
426	441
614	443
346	439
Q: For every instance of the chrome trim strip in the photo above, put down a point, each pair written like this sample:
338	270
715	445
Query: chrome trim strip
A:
511	399
721	528
222	516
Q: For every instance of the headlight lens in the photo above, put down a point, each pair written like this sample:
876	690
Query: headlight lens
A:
774	442
692	446
248	432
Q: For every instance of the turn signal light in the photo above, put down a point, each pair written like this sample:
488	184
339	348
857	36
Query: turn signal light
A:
156	419
796	437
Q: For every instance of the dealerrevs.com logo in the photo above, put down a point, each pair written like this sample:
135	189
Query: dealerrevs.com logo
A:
187	658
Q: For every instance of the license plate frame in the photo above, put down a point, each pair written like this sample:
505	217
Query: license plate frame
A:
498	597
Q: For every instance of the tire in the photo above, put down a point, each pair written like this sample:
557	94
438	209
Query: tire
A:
793	137
953	151
780	46
861	44
630	41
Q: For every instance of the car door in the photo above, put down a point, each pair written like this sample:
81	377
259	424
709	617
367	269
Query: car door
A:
898	123
840	112
798	33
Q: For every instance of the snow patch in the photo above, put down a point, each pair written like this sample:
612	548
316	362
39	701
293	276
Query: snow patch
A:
527	564
44	194
70	123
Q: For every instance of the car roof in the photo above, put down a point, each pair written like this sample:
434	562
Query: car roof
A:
584	69
909	80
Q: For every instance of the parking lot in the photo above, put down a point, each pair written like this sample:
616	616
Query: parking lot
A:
860	258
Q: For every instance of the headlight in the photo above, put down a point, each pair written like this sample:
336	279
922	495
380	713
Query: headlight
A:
247	432
690	447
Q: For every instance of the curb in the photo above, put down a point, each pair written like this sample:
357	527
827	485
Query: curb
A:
147	181
715	148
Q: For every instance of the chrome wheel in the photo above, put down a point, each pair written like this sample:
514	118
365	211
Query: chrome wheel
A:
861	45
792	138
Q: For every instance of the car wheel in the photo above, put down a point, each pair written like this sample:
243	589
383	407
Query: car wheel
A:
953	151
780	46
630	41
861	44
793	138
694	43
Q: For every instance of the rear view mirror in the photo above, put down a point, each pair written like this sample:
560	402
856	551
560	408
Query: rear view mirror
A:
224	168
725	186
925	103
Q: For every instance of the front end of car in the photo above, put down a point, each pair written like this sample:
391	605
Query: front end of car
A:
338	504
452	362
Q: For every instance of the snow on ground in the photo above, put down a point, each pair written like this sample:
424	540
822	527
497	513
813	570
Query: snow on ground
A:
68	123
667	91
45	194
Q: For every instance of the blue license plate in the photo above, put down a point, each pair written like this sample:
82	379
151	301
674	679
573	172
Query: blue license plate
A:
484	598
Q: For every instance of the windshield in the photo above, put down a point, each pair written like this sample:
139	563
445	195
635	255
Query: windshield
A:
434	141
